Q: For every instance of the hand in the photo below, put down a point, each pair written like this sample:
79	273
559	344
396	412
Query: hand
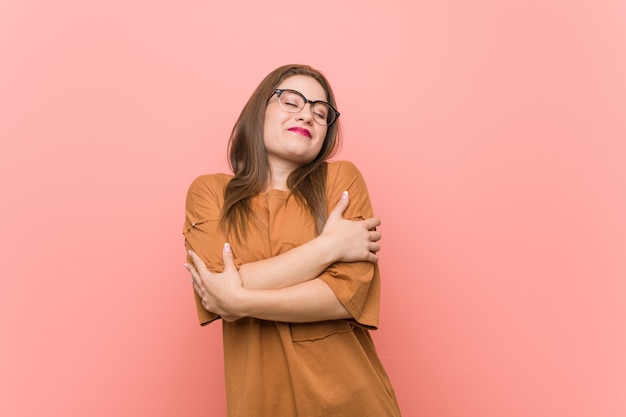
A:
219	291
353	240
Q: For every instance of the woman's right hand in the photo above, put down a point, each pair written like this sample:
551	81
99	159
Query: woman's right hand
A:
220	292
352	240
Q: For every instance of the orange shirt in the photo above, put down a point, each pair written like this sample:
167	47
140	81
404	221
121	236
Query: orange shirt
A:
327	368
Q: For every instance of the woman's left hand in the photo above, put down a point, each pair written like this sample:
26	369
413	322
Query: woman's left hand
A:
219	291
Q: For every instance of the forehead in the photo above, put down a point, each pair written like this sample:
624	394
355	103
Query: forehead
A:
308	86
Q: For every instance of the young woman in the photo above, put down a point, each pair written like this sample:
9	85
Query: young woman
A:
296	284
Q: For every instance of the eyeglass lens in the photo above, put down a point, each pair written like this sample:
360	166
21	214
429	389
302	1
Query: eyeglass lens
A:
293	102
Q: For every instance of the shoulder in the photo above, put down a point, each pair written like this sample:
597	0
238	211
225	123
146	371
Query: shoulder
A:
205	197
345	176
342	174
210	182
342	167
206	189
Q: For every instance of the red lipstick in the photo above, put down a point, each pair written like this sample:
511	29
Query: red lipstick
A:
301	130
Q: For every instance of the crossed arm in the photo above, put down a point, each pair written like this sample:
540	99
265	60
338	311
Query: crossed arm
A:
284	288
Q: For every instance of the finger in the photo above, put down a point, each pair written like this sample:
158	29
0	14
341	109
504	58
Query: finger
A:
371	223
341	205
375	236
195	276
197	262
374	247
227	256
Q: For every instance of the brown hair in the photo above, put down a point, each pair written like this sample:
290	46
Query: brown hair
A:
249	162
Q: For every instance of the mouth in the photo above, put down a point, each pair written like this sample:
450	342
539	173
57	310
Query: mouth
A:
301	130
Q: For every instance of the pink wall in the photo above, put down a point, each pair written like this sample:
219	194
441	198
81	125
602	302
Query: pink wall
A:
492	135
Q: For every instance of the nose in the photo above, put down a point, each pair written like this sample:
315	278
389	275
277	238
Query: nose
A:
305	114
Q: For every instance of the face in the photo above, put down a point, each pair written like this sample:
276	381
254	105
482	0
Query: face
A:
294	139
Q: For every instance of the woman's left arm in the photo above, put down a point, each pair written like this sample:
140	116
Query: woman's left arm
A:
224	294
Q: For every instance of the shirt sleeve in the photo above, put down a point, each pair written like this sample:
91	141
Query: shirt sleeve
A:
202	229
356	284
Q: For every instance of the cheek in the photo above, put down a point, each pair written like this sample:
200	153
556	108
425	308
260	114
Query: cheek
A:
321	134
321	144
271	126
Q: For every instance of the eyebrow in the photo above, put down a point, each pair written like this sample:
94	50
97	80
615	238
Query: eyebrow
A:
293	89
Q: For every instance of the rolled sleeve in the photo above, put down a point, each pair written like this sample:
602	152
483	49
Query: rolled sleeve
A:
202	229
356	284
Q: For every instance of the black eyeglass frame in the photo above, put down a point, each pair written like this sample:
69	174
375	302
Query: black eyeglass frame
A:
279	91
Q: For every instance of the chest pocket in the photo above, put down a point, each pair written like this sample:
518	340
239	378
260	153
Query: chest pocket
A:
304	332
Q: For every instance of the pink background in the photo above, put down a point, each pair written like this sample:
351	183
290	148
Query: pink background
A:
492	136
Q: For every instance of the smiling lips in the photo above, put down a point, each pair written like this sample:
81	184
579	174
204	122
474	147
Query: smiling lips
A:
301	130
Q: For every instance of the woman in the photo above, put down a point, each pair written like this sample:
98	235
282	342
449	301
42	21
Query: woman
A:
297	285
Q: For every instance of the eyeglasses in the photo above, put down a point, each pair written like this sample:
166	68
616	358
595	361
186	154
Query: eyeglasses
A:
293	101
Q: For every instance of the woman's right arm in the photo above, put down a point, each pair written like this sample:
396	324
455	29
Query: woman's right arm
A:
341	240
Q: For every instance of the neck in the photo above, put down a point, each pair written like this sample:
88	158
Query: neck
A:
278	178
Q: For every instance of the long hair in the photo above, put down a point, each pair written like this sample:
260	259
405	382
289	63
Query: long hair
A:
250	165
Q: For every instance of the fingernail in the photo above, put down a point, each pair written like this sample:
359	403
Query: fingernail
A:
189	252
344	195
186	266
227	247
